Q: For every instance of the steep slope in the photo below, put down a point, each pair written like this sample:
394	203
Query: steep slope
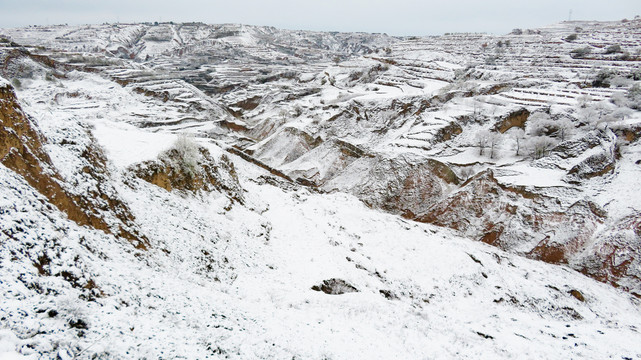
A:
23	152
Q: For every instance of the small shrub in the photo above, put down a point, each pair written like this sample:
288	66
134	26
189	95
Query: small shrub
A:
517	32
603	79
580	53
571	37
613	49
16	83
355	75
189	154
634	95
620	81
491	60
624	57
540	146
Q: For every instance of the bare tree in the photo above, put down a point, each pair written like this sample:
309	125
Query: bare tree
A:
538	124
584	100
621	113
540	145
467	173
518	135
564	127
587	114
597	113
494	139
619	99
602	108
634	96
482	138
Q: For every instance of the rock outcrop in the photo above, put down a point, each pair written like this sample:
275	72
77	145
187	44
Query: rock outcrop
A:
190	168
515	119
335	287
539	227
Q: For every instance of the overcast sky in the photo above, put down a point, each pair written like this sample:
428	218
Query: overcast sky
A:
394	17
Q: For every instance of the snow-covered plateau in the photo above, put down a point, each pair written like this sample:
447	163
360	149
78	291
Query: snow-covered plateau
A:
228	191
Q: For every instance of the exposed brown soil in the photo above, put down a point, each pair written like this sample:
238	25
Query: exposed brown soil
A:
475	208
514	119
172	172
21	150
448	133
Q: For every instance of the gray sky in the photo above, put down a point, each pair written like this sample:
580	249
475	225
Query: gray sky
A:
394	17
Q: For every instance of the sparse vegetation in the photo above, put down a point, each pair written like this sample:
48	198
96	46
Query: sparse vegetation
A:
482	139
571	37
613	49
518	135
16	83
634	96
540	146
494	140
603	79
402	140
491	60
580	53
188	151
91	60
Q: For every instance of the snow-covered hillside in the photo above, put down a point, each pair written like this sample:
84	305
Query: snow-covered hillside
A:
227	191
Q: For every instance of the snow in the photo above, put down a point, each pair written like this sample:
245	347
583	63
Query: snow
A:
126	144
9	342
263	297
616	195
526	175
233	280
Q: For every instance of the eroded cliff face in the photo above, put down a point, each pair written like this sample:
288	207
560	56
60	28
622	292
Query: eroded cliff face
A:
613	256
515	119
191	170
22	150
540	227
399	185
